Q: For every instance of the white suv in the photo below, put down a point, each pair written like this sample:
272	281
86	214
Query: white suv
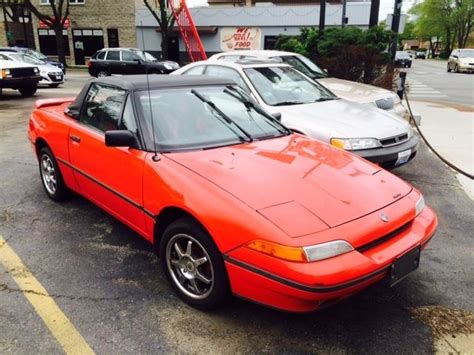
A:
349	90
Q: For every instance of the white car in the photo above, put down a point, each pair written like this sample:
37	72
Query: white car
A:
18	76
461	60
309	108
349	90
51	75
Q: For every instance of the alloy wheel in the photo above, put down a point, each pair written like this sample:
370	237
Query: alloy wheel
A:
190	266
48	173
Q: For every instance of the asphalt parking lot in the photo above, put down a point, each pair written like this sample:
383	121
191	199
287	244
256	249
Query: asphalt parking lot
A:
108	282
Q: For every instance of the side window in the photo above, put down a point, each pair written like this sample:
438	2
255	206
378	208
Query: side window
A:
101	55
113	55
128	56
198	70
228	73
128	119
102	107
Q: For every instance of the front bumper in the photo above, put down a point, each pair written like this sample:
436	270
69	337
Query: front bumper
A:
305	287
388	157
49	79
466	68
15	83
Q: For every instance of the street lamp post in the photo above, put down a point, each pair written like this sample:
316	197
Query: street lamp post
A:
322	16
395	26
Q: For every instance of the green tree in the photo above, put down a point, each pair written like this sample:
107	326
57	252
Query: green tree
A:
163	15
54	16
450	20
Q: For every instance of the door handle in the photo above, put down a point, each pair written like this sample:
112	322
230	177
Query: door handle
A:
75	139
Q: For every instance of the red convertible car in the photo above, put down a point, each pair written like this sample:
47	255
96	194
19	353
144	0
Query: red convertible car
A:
233	202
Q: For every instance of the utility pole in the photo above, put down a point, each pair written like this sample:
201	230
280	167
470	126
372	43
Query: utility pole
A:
374	13
395	26
345	20
322	17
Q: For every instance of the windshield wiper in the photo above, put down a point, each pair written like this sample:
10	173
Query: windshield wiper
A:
288	103
227	119
321	99
239	96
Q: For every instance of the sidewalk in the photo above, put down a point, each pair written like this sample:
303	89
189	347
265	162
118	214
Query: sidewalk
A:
450	130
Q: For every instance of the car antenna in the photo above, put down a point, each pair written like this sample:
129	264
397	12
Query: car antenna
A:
155	156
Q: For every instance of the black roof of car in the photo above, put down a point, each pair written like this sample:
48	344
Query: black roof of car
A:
145	82
154	81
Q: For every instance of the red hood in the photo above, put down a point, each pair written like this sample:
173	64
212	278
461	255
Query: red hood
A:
318	179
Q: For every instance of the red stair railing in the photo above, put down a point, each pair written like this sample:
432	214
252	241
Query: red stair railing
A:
188	30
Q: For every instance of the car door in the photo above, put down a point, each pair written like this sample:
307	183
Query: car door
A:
111	177
114	66
131	64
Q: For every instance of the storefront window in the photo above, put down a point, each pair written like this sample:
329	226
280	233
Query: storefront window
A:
47	42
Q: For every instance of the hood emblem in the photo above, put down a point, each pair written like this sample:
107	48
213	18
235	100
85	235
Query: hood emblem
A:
384	217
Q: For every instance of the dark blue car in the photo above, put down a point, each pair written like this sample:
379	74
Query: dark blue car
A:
35	54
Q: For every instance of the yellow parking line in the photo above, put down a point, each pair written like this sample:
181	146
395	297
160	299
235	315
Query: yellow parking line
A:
58	324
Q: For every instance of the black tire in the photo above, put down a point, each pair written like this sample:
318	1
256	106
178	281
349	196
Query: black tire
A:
180	232
53	85
409	65
28	91
448	68
456	69
60	192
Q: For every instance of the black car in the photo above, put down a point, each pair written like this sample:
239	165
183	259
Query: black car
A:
127	61
36	55
403	59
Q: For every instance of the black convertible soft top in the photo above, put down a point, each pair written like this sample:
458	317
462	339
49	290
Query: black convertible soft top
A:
140	83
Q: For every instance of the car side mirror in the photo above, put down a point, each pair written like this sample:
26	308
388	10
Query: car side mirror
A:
120	138
138	61
277	116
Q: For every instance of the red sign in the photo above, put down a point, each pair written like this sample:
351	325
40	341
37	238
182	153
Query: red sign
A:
67	24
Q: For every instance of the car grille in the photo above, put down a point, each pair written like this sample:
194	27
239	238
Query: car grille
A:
385	104
383	238
394	140
22	72
53	76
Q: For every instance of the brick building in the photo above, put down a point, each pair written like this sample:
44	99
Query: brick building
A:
91	25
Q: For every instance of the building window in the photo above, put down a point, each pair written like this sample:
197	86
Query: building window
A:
71	2
88	41
269	42
47	42
112	34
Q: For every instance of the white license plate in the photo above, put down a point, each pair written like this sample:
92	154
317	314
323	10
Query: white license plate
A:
403	157
58	77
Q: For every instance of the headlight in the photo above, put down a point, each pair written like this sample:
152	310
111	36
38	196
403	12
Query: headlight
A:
6	73
355	143
168	66
420	205
302	254
36	70
327	250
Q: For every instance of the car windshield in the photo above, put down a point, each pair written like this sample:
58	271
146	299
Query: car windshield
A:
36	55
466	53
304	65
26	59
402	55
147	57
205	117
279	86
